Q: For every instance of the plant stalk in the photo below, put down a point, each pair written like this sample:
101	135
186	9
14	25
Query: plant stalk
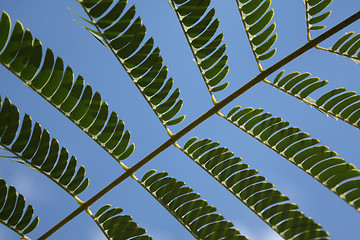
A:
309	45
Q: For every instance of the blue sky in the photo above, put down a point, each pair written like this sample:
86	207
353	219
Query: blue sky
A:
52	23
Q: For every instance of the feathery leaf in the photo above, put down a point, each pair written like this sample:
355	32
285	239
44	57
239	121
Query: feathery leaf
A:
194	213
256	17
55	83
251	188
13	213
124	35
315	13
337	103
35	148
348	45
200	29
301	150
118	226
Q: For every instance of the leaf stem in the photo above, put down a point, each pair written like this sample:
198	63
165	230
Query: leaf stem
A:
354	58
309	45
38	169
213	99
248	36
307	20
106	42
312	103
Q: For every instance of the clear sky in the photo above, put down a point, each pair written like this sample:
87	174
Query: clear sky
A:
52	23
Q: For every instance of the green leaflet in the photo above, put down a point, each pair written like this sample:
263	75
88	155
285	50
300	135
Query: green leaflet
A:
4	29
100	7
13	213
57	84
192	212
35	148
13	46
117	226
343	105
125	34
301	150
257	16
200	29
298	85
315	13
249	187
338	102
349	46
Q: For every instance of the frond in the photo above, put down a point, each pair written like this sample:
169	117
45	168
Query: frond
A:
315	14
124	35
342	104
34	147
77	101
13	213
194	213
253	190
348	46
298	85
256	17
200	29
297	147
115	225
337	103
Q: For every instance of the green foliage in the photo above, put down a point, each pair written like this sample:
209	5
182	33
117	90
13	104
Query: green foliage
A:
252	189
117	26
209	50
187	207
338	103
297	147
73	98
34	147
124	35
118	226
13	213
349	46
315	13
256	17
